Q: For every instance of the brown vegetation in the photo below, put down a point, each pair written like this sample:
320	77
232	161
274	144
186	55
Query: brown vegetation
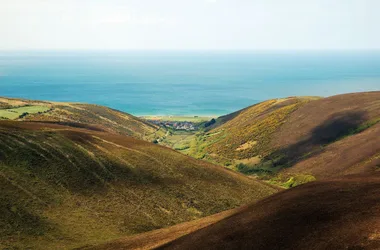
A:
332	214
329	137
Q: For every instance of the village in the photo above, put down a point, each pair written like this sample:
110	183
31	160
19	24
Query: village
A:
177	125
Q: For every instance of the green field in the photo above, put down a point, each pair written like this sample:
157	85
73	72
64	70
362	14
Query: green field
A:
179	140
15	113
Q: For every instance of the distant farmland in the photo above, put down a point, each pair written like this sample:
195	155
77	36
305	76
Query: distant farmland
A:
14	113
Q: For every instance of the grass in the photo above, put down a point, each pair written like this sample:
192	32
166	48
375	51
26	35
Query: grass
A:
287	181
178	140
65	188
15	113
298	180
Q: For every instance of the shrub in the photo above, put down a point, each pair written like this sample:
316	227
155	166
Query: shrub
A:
298	180
256	169
209	123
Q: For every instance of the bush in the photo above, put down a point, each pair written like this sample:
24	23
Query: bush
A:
209	123
23	115
298	180
256	169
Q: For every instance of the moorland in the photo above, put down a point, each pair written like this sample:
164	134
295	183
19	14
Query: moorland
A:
286	173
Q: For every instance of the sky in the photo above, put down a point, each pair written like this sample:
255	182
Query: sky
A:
189	24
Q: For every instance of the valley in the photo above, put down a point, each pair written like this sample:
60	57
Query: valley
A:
85	176
68	186
189	125
293	140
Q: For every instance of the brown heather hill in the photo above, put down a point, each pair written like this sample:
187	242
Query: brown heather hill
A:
79	115
341	213
331	137
64	187
333	214
308	137
156	238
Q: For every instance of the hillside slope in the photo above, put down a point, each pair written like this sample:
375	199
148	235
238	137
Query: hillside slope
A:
159	237
335	214
333	136
304	136
64	187
245	133
78	114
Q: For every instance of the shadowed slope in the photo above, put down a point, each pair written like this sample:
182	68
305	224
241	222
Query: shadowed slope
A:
359	153
64	187
322	116
335	214
330	137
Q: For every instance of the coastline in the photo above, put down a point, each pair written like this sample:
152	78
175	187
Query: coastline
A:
188	118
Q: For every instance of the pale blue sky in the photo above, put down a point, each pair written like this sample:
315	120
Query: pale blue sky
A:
189	24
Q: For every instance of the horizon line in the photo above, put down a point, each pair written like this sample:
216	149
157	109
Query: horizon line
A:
187	50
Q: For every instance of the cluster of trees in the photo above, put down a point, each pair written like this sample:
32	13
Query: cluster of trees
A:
23	115
209	123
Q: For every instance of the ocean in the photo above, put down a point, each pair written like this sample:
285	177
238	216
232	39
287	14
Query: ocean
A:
184	83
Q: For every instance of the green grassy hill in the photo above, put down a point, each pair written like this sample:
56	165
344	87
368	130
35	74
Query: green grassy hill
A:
303	138
63	187
78	114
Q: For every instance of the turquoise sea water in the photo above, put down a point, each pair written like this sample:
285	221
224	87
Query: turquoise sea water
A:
184	83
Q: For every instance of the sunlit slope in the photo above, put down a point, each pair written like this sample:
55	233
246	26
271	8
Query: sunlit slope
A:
311	137
246	133
77	114
335	214
63	187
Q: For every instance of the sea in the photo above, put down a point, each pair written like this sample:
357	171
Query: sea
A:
185	83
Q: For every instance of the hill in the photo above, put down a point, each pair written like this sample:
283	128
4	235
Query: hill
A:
78	114
156	238
300	137
247	132
65	187
332	214
331	137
